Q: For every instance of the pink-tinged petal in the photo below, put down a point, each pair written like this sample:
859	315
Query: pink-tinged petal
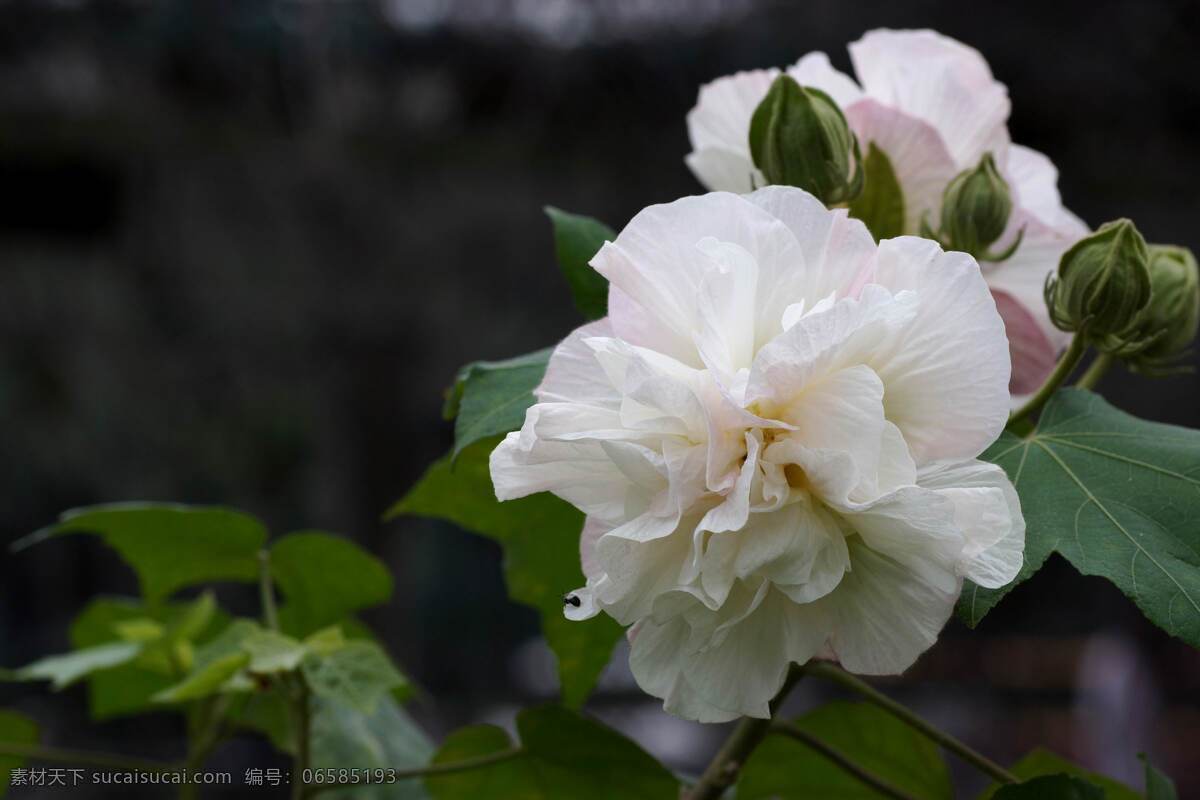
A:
919	157
939	80
816	71
719	130
1034	181
1033	354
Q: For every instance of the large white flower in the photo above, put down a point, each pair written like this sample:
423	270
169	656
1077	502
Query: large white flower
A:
774	437
931	104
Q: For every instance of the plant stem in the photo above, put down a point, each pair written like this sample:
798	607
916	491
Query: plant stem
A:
1065	366
266	591
300	765
862	774
972	757
722	771
1095	371
104	760
450	768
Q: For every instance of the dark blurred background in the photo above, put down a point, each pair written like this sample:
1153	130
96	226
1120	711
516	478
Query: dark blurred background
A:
244	246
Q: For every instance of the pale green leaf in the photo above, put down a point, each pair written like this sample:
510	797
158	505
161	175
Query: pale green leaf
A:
540	537
881	204
784	768
272	652
576	240
323	579
493	396
385	739
15	729
63	670
565	755
358	675
1118	497
169	546
326	640
205	680
128	688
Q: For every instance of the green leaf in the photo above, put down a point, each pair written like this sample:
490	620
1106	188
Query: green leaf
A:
540	537
357	675
271	652
323	579
1043	762
129	688
1050	787
208	679
1116	496
881	204
564	755
494	396
1158	785
385	739
63	670
576	240
14	729
169	546
782	767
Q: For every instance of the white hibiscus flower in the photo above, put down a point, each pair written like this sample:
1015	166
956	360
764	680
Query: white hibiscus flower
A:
774	437
932	106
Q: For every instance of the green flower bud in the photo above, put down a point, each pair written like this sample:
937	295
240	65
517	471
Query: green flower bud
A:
1103	284
799	137
1167	326
975	210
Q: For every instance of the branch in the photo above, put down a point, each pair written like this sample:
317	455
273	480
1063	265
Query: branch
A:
972	757
60	755
722	771
846	765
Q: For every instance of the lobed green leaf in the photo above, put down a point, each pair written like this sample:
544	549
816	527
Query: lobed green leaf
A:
576	240
1118	497
563	755
881	204
783	767
169	546
494	395
323	579
540	538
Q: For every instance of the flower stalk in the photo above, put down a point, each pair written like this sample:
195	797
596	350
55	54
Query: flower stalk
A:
722	772
1095	371
1066	365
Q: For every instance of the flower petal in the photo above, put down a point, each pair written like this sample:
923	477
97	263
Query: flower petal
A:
947	371
942	81
719	130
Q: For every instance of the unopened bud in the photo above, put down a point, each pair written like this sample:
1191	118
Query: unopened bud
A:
975	210
1168	323
1103	283
799	137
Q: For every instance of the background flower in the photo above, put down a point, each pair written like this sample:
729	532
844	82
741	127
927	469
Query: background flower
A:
932	106
774	435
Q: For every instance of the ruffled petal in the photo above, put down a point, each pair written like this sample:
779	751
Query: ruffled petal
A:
719	130
947	372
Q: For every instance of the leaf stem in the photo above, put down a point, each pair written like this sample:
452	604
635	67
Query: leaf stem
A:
266	590
1062	370
908	717
722	771
1095	371
844	763
60	755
